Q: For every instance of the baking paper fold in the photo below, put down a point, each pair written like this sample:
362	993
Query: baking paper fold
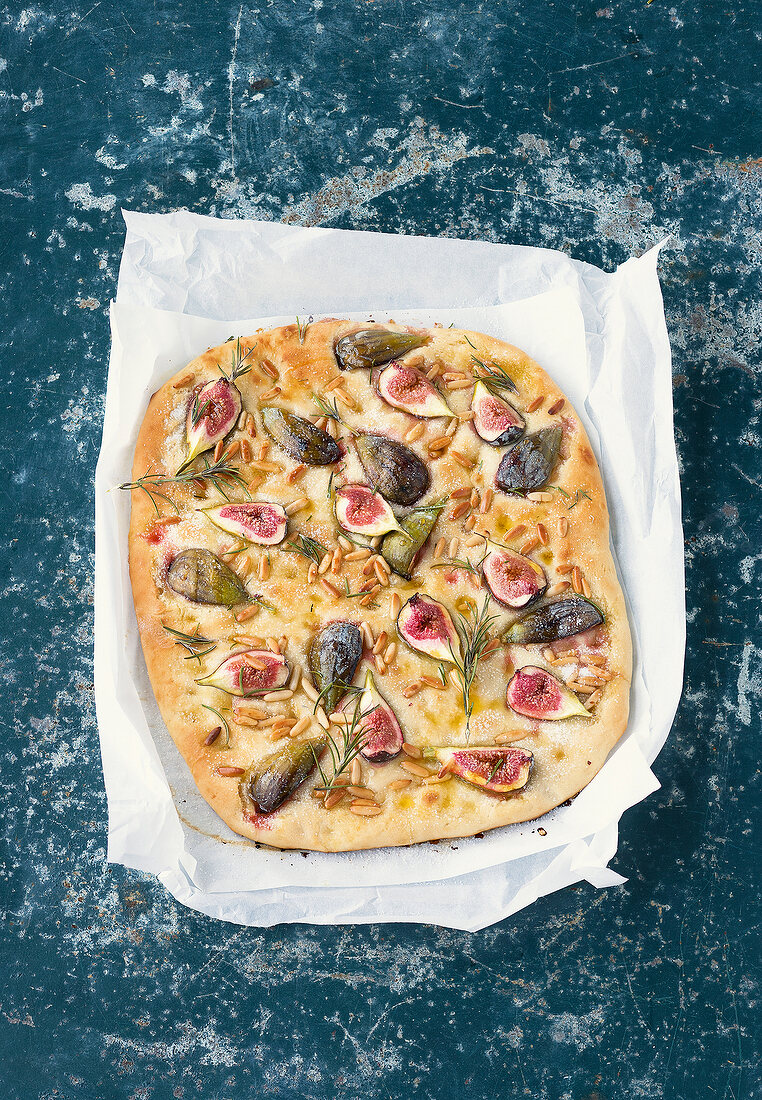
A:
188	282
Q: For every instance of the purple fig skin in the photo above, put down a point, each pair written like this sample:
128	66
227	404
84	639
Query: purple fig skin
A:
215	409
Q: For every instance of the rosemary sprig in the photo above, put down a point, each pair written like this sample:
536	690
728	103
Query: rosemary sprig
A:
235	550
330	411
458	563
196	645
473	629
307	547
238	363
493	377
197	411
302	327
580	494
221	474
223	721
342	754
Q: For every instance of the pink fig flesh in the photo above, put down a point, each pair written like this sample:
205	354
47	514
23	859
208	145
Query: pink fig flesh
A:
250	672
362	511
513	579
212	413
495	421
426	626
408	389
499	770
256	521
382	735
535	693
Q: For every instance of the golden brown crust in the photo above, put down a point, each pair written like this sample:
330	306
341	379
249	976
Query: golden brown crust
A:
567	754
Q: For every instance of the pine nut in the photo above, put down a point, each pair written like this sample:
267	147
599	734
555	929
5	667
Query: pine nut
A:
561	586
268	368
390	653
395	603
540	498
301	726
309	690
415	769
486	503
333	798
296	473
459	384
336	560
439	548
357	555
355	772
330	588
458	494
563	527
264	568
414	433
325	563
229	772
296	506
183	381
556	407
412	689
272	392
312	572
542	534
367	634
452	427
535	404
273	645
247	613
470	523
218	450
381	573
366	811
454	547
333	384
529	546
577	579
463	460
514	532
460	510
412	750
399	784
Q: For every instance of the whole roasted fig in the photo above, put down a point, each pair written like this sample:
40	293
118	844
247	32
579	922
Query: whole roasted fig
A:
392	468
499	770
381	734
362	511
401	548
201	577
300	438
411	391
333	659
212	413
495	421
536	693
251	672
370	347
269	782
426	626
529	463
254	520
559	619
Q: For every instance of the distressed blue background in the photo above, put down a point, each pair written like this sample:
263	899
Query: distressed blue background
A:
595	131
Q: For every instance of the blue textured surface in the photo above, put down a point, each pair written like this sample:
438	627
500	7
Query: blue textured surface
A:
593	131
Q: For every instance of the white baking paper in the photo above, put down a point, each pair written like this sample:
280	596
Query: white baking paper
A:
188	282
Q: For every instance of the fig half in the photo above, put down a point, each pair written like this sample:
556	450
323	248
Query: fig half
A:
495	421
392	468
255	521
201	577
299	438
499	770
370	347
268	783
333	659
529	463
382	736
552	621
401	548
212	413
363	511
408	389
250	672
426	626
536	693
513	580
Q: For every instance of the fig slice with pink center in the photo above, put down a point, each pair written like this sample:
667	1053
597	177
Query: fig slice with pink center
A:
255	521
381	733
249	672
408	389
513	579
498	770
362	511
536	693
426	626
495	421
212	413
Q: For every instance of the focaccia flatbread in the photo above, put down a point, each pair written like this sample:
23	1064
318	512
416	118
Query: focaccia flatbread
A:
254	733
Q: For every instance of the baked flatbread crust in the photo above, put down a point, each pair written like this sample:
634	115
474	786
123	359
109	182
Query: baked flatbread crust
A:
567	754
